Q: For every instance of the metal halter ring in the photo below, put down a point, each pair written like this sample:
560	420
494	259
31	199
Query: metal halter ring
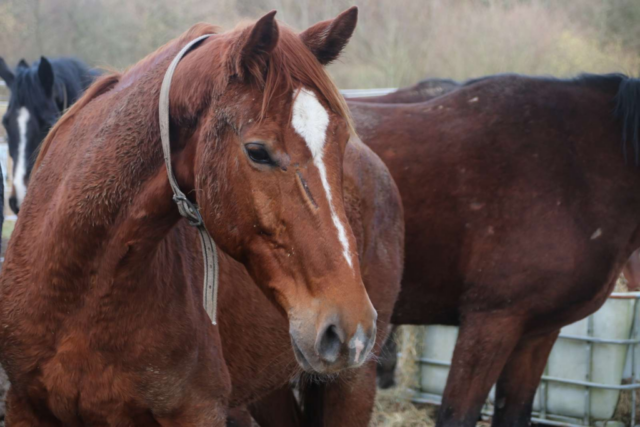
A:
189	210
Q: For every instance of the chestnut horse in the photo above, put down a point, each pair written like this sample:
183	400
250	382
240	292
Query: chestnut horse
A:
531	215
101	292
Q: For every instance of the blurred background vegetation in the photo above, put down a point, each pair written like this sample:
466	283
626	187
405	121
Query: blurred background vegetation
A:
397	41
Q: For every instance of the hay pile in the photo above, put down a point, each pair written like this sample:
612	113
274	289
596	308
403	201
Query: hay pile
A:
394	407
621	285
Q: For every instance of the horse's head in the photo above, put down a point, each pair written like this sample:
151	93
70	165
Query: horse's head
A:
269	136
33	109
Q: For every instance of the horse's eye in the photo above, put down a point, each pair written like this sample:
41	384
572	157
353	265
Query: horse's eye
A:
258	154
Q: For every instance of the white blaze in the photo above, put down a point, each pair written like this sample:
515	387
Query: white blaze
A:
358	345
310	120
21	164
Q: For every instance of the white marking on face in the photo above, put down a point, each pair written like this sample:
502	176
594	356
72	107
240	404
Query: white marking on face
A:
358	345
310	120
596	234
19	178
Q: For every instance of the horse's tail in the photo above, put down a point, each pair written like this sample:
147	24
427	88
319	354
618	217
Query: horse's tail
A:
628	112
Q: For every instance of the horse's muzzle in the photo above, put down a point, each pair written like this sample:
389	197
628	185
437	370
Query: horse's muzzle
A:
334	349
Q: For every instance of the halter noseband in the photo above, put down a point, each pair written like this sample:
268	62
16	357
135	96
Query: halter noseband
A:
185	207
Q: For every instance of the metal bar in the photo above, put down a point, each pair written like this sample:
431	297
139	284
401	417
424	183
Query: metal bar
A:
625	295
587	389
360	93
593	385
428	361
634	333
544	393
599	340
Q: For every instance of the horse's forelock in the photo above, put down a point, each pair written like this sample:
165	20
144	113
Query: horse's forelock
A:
289	66
292	65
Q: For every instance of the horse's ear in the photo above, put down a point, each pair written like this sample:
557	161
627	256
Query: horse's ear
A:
45	73
259	41
327	39
5	73
23	64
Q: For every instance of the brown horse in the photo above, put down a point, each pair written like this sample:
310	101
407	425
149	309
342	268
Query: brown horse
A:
428	89
101	292
520	213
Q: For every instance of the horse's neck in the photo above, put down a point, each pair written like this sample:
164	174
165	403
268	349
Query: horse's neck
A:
112	205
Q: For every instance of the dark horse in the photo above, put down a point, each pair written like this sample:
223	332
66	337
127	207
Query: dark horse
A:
101	294
39	95
520	212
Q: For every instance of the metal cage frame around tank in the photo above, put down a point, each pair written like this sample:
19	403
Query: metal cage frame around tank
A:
542	417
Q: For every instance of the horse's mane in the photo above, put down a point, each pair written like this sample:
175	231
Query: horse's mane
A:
102	85
290	65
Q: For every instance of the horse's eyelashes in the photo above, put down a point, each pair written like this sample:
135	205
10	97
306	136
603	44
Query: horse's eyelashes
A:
259	154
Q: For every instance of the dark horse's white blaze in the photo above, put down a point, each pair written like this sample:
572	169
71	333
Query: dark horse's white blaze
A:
20	169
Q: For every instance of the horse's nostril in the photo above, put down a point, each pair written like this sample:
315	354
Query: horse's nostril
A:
330	344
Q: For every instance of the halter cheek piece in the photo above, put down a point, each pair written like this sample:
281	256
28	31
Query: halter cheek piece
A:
186	208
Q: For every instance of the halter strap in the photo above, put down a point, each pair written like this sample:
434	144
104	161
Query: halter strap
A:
185	207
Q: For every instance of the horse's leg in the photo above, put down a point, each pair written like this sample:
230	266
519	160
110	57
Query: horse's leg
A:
386	367
484	344
279	409
346	401
519	380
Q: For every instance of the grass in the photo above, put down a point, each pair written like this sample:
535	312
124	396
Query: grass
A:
7	228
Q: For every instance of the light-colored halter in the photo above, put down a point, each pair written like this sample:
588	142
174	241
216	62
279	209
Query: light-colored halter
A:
186	208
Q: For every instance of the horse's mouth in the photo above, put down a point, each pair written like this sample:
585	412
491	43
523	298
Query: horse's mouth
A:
300	357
